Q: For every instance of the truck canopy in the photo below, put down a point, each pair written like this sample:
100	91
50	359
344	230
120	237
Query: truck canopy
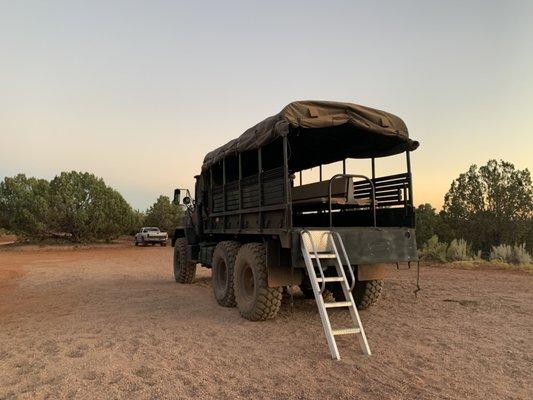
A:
321	132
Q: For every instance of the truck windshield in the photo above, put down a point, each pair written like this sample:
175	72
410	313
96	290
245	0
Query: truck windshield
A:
151	229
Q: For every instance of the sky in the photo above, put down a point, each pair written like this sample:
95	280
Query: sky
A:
138	92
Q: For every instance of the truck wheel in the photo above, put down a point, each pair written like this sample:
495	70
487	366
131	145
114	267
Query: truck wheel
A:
327	295
256	301
365	293
222	273
184	270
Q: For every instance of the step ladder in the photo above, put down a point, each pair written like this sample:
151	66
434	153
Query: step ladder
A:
319	245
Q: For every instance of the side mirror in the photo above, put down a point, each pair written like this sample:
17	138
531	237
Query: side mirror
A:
177	195
186	200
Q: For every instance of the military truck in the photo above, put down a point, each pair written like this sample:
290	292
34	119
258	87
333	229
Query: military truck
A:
259	228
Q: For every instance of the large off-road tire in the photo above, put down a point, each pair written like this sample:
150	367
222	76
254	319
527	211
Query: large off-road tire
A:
184	269
255	300
365	293
307	291
222	274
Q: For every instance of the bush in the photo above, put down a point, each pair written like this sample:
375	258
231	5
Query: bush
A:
490	205
83	206
164	214
427	221
434	249
520	254
459	250
24	205
510	254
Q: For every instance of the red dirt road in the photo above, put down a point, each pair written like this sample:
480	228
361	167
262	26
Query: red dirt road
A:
110	322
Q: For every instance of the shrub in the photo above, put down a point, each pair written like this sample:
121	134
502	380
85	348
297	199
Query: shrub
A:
520	254
164	214
24	205
489	205
84	207
426	222
510	254
434	249
459	250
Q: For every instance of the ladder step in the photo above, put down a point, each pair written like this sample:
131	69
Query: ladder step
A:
331	279
346	331
338	304
323	255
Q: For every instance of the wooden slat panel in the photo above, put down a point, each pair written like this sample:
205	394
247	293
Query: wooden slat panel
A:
395	192
361	186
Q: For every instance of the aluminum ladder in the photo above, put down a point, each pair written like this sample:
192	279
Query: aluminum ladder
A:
318	245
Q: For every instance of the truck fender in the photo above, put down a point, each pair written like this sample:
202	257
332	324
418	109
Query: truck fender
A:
178	233
369	272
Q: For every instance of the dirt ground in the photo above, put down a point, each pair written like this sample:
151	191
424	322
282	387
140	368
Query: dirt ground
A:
110	323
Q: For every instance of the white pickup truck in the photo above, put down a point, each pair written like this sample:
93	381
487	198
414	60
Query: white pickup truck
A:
150	235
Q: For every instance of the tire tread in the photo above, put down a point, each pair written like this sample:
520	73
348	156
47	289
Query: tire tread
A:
268	300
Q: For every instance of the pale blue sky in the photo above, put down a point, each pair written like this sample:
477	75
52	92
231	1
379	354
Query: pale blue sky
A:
138	92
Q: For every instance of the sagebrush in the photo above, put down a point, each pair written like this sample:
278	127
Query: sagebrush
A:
516	254
459	250
434	249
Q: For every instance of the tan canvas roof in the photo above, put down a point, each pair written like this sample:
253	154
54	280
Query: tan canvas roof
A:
357	122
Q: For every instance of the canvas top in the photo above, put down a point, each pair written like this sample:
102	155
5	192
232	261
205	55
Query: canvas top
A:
357	131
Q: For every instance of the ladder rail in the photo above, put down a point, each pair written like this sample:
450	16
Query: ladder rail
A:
345	254
319	264
363	342
317	291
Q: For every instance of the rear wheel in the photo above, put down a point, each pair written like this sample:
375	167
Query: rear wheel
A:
222	273
184	269
256	301
308	293
365	293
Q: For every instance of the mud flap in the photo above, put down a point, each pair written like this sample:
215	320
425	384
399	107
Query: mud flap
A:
280	272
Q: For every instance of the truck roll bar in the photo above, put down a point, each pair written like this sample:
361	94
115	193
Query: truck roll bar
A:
352	176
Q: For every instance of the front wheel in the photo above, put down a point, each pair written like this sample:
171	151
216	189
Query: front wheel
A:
184	269
255	300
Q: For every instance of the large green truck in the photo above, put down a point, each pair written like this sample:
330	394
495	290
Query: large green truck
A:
255	223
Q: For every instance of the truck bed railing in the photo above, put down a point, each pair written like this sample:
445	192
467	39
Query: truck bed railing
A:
372	193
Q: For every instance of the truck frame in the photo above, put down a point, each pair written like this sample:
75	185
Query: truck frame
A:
251	205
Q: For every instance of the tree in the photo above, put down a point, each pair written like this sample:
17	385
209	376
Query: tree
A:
137	222
164	214
86	208
24	205
427	221
490	205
